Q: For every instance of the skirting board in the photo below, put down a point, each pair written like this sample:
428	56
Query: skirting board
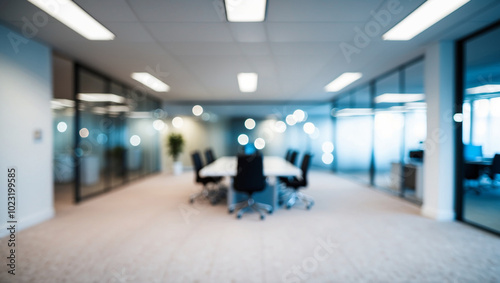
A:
29	221
439	215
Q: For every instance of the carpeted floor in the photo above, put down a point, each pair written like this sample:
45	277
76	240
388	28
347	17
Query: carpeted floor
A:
147	232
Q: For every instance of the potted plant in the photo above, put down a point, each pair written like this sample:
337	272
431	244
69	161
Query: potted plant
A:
175	144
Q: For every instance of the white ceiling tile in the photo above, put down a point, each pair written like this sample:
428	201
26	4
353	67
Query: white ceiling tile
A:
53	31
263	65
178	10
326	49
248	32
320	10
108	10
216	72
216	63
203	48
296	71
306	32
129	32
250	48
11	10
490	15
190	32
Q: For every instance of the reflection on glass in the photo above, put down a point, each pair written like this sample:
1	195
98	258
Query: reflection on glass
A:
119	139
379	138
481	131
466	117
93	164
387	148
388	134
114	127
64	173
415	133
355	135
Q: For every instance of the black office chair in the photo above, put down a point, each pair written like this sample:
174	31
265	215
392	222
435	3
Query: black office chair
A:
250	179
211	194
209	156
495	170
293	157
294	184
288	154
471	178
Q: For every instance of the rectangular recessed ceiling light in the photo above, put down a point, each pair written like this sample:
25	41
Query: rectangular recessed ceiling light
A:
101	97
70	14
150	81
118	108
491	88
422	18
354	112
416	105
342	81
399	97
140	115
247	82
100	110
245	10
61	103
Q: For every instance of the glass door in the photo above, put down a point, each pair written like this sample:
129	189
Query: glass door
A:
480	179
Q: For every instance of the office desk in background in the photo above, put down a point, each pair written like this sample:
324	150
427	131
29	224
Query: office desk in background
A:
411	178
475	168
273	167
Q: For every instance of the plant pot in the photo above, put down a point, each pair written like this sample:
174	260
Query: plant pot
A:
177	167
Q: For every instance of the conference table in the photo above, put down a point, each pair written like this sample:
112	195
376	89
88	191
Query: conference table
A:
273	167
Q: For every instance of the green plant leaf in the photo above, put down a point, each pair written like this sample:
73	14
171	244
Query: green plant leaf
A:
175	145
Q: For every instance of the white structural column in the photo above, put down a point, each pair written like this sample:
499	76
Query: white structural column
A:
439	165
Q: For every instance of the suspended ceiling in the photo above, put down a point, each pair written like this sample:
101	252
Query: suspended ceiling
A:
190	45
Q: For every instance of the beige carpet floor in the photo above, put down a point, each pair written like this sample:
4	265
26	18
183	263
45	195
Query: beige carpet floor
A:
147	232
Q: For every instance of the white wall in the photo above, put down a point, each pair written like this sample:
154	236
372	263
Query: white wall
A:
25	94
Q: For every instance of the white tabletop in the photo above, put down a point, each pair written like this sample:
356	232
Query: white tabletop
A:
273	166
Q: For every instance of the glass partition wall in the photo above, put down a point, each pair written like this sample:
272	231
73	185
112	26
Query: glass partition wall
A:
478	176
92	133
354	134
379	132
388	132
114	137
64	168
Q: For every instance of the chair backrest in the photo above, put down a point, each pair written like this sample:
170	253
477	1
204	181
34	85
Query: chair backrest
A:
209	156
495	166
306	162
472	152
197	163
293	157
288	155
471	171
249	149
250	175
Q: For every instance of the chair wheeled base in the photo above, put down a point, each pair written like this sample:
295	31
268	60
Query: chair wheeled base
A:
214	195
249	205
292	197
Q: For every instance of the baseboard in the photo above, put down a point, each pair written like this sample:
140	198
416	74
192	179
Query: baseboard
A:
439	215
29	221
